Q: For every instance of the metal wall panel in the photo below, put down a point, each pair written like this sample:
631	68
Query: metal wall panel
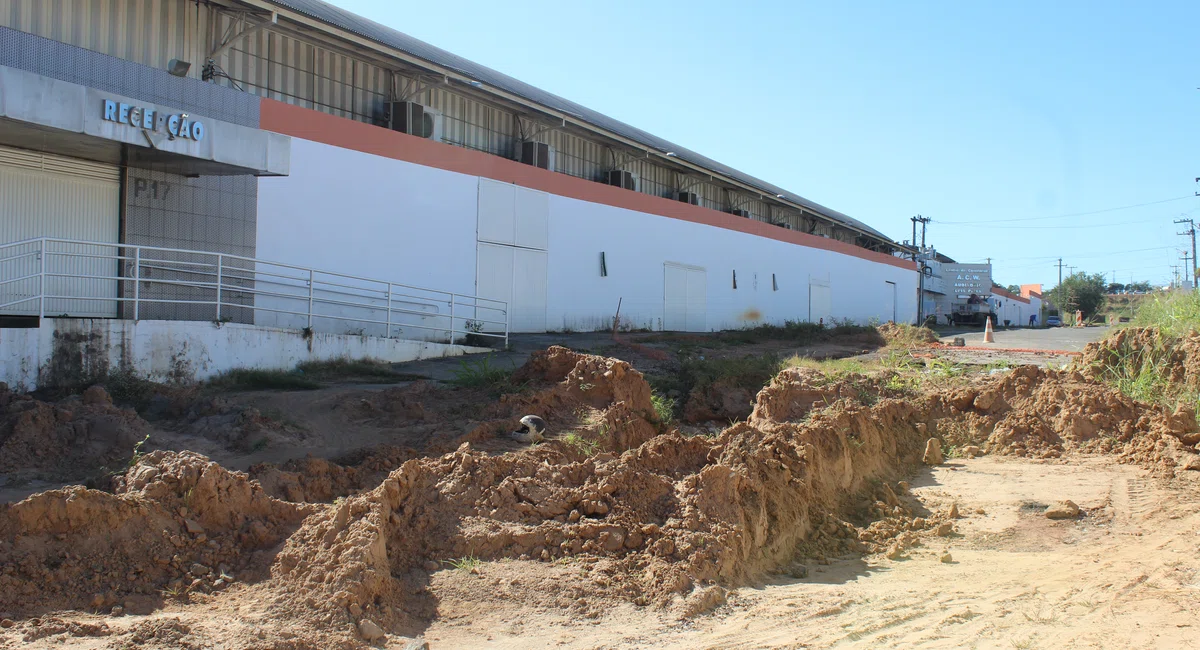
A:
77	65
150	32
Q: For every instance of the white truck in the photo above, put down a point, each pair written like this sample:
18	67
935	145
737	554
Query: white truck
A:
969	286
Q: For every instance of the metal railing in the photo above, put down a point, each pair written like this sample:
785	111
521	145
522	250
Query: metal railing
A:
63	277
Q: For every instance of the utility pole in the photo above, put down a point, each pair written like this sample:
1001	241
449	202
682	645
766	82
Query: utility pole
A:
1185	268
914	239
921	220
1191	232
1060	271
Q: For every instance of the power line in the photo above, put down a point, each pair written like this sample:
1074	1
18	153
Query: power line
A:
1073	214
1072	227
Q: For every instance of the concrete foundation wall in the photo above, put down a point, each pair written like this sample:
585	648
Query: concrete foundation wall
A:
72	351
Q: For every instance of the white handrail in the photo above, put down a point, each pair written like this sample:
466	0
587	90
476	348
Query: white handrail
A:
229	282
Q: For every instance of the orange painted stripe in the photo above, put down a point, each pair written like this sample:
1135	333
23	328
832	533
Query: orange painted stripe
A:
321	127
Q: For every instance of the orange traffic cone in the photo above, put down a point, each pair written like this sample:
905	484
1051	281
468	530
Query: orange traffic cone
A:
988	337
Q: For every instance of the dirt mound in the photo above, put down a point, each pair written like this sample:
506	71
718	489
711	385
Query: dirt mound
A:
795	392
721	401
569	390
73	438
1127	352
645	516
176	522
1046	413
313	479
906	335
682	512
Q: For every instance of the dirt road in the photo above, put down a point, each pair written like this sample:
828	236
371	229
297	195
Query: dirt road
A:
1123	575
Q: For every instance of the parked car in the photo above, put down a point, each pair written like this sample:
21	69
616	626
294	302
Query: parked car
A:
1053	321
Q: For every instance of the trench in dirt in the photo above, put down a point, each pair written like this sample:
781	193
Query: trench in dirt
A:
616	509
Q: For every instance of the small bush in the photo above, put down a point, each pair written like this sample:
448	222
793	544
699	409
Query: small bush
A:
127	388
751	373
248	379
482	374
664	407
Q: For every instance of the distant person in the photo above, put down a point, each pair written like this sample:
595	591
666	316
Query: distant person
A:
1033	320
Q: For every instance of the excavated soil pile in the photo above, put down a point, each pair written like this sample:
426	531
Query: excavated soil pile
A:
71	439
321	481
899	333
649	516
176	522
669	514
605	402
236	427
1125	352
1045	413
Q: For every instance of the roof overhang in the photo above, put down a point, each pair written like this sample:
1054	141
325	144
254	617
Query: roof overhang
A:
45	114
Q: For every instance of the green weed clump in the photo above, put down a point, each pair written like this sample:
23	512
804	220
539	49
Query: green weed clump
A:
751	373
1174	314
367	370
664	407
468	564
482	374
580	444
833	368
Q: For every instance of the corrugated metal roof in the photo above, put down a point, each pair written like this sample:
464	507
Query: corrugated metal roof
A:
371	30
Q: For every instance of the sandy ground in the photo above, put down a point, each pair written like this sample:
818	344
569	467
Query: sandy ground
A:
1124	575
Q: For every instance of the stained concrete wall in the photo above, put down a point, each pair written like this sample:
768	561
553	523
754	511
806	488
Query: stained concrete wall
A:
69	351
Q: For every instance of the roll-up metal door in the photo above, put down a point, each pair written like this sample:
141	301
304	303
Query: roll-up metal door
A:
45	195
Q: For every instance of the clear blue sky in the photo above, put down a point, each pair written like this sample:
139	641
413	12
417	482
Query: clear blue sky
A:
959	111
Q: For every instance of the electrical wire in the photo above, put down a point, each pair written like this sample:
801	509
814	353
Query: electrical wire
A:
1065	216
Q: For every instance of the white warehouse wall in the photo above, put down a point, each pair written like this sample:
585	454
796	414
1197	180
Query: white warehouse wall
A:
350	212
355	213
637	244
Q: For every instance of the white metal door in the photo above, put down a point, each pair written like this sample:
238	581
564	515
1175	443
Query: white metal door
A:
509	214
529	290
52	196
889	310
674	298
820	303
697	300
513	236
685	298
518	276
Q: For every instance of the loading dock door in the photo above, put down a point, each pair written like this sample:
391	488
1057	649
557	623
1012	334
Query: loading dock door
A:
52	196
685	298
